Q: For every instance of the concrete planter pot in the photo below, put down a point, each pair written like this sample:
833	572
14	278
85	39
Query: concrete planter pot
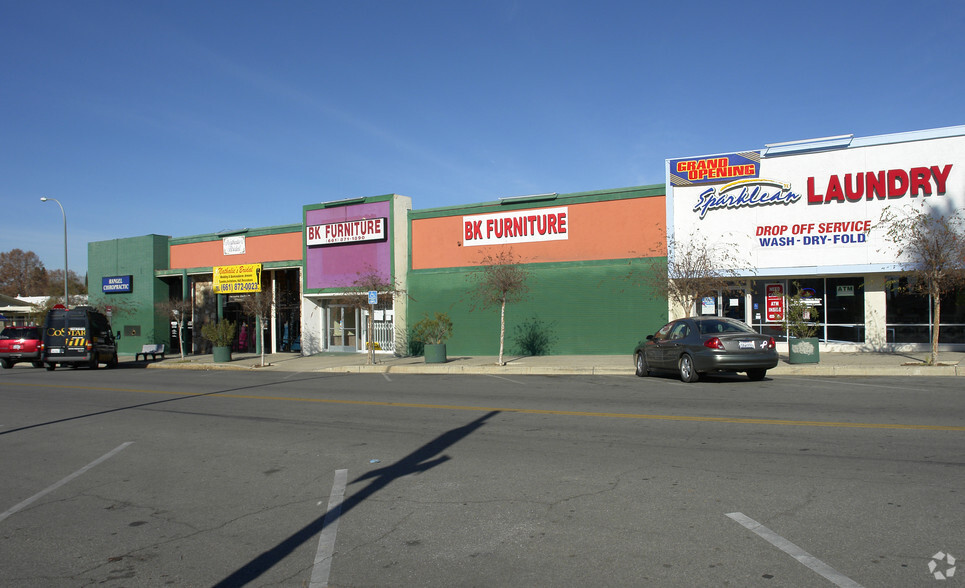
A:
435	352
221	354
804	350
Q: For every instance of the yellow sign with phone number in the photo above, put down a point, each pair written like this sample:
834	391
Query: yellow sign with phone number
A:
237	279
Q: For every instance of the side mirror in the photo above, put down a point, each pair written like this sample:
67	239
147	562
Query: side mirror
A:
118	334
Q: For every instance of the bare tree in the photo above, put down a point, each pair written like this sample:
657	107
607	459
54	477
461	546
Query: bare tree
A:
181	310
258	305
931	249
357	296
500	280
695	267
55	283
23	274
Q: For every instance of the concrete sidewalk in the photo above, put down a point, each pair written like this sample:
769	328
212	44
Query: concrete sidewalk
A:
951	363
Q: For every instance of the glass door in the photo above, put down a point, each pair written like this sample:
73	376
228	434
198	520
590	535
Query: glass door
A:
733	304
342	328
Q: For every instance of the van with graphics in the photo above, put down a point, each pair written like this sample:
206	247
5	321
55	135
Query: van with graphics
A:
79	336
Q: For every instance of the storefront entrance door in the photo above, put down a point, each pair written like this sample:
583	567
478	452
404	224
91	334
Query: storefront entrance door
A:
733	304
342	328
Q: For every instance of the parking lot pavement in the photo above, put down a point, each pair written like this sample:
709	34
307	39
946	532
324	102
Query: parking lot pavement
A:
950	363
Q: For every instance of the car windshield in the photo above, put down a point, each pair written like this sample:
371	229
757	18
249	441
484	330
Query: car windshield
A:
723	326
20	333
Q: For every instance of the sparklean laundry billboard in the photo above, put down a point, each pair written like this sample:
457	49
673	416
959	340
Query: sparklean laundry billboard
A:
801	209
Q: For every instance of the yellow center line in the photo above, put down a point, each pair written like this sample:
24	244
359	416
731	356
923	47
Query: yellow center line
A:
614	415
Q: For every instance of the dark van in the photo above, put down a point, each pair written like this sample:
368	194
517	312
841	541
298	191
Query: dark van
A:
78	336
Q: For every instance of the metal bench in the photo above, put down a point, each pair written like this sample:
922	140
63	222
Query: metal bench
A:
152	350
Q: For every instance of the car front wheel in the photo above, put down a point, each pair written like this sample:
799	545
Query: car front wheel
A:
642	368
688	373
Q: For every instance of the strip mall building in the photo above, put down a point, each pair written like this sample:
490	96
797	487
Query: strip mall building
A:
803	213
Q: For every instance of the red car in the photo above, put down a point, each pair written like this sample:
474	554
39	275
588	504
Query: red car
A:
20	344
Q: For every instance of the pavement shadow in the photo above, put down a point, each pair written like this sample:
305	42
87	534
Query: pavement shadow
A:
180	397
422	459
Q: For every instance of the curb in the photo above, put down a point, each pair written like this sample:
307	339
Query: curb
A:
782	369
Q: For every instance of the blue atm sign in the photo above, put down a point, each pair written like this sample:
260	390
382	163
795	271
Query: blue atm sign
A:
116	284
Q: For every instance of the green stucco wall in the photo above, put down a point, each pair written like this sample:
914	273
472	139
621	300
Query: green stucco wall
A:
138	257
586	308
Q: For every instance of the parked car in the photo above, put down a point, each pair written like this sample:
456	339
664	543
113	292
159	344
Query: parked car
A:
703	344
19	344
76	337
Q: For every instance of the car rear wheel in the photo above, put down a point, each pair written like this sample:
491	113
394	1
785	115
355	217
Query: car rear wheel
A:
51	367
93	362
756	375
38	364
643	369
687	371
113	362
6	363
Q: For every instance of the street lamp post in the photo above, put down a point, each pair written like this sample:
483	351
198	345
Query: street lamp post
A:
45	199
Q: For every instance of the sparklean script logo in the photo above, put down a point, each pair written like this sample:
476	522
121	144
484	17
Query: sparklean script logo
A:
368	229
715	170
882	184
745	194
518	226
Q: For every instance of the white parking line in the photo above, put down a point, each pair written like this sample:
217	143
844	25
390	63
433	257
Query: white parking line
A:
506	379
50	489
326	540
816	565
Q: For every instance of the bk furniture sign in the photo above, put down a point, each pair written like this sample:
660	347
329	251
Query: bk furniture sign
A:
353	231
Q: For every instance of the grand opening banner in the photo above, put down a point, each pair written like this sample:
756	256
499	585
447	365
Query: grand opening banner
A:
816	212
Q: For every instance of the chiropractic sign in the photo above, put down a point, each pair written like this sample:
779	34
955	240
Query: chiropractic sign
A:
116	284
803	213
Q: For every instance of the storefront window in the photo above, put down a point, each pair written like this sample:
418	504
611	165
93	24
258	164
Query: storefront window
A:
845	309
837	306
910	314
760	317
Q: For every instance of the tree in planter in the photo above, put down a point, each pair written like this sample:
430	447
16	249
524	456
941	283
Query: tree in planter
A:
221	333
258	305
931	249
501	280
434	330
181	310
798	322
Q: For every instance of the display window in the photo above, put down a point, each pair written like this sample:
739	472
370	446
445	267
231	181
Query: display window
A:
836	306
909	313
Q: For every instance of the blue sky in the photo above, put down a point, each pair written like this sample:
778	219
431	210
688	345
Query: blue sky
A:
184	117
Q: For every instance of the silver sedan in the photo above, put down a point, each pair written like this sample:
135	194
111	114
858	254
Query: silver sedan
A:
698	345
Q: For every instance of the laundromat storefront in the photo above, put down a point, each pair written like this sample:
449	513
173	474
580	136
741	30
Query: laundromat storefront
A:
348	246
584	253
807	215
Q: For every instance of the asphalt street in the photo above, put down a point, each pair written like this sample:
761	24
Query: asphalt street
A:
134	477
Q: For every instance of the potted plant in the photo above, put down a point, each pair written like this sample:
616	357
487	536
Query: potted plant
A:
433	333
799	323
221	335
